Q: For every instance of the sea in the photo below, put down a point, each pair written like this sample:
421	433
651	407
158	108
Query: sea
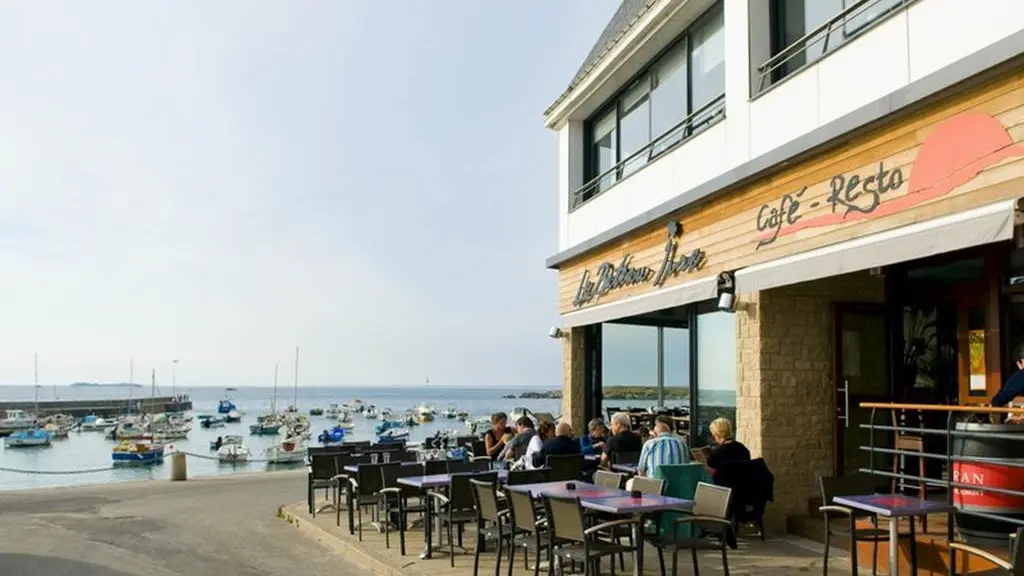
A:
85	457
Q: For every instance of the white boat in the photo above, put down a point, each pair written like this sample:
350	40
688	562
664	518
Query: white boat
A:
28	438
292	450
393	434
16	420
385	414
233	454
332	411
370	413
450	413
233	416
213	422
93	423
225	441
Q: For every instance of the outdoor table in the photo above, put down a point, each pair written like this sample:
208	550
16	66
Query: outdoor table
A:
353	468
433	482
894	507
583	490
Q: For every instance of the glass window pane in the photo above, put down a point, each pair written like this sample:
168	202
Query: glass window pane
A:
867	14
796	18
629	358
604	154
708	60
635	125
716	371
668	98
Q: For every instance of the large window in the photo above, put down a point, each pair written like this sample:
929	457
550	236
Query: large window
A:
650	115
716	371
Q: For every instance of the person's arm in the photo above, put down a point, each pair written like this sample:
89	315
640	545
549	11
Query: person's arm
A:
492	444
645	454
1014	387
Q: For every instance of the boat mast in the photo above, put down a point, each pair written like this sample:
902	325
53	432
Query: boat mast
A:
131	381
295	400
35	379
273	401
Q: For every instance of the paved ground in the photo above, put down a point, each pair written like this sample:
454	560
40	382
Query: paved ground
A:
222	526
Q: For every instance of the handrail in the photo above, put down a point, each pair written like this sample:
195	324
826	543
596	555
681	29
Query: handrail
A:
941	408
688	122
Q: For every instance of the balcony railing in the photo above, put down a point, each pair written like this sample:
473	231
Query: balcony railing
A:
774	69
952	457
689	127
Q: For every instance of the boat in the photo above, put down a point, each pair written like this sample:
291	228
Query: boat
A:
202	417
332	411
335	435
226	406
518	412
93	423
410	418
225	440
462	415
216	422
138	452
16	420
384	414
231	389
267	427
391	430
56	430
291	451
424	414
233	417
129	429
316	411
233	454
370	413
450	413
291	409
28	438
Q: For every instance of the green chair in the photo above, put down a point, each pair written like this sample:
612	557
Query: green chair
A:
681	482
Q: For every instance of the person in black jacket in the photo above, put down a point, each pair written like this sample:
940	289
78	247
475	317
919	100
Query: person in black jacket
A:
562	443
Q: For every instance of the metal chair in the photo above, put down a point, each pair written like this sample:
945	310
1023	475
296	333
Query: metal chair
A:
395	500
1013	567
565	467
322	473
492	525
646	485
606	479
365	492
579	544
462	466
710	515
458	508
520	477
433	467
531	532
625	457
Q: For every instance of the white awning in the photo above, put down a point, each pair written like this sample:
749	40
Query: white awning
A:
975	227
694	291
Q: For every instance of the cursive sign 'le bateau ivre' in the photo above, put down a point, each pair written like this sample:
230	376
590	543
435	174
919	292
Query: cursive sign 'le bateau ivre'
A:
611	276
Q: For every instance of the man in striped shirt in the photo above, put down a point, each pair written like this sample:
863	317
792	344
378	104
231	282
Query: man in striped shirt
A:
664	448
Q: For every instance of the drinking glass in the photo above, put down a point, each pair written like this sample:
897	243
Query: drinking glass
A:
387	457
373	457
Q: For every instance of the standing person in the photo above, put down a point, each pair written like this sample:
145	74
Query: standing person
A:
623	439
494	439
726	448
545	432
515	449
594	441
664	448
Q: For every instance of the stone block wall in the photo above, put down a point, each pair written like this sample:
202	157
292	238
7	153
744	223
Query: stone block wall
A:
572	378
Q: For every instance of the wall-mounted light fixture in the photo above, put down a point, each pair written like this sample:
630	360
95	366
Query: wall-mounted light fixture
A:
726	292
556	333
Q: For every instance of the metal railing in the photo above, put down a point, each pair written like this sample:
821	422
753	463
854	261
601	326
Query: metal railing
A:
663	144
822	35
949	433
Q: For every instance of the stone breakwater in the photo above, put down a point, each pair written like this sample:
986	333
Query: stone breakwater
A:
618	393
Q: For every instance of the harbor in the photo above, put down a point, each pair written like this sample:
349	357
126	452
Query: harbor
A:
100	407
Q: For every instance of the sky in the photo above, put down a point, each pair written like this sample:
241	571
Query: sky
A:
220	182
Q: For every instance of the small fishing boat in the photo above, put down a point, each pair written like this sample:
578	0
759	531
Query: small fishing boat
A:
56	430
28	438
138	452
292	450
410	418
202	417
17	420
450	413
225	440
233	417
233	454
215	422
384	414
291	409
268	425
424	414
93	423
462	415
332	411
333	436
129	429
391	430
370	413
316	411
226	406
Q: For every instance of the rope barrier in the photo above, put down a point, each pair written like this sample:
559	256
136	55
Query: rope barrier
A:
111	467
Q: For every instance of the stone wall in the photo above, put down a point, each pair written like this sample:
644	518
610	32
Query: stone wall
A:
572	378
786	395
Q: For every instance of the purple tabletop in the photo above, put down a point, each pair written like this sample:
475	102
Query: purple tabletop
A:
627	505
893	506
355	467
583	491
438	480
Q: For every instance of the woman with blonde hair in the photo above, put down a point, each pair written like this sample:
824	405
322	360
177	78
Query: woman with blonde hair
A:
726	448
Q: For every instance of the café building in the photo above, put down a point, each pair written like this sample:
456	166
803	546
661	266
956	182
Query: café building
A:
813	229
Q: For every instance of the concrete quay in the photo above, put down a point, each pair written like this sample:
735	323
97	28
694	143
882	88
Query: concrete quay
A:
784	556
102	408
218	526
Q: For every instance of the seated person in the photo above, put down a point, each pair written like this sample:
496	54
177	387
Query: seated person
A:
562	443
594	441
726	449
494	439
665	448
545	432
622	441
515	448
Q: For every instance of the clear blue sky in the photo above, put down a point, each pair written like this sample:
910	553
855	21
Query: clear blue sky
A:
218	182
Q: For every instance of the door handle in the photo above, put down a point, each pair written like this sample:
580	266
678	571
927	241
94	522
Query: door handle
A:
846	394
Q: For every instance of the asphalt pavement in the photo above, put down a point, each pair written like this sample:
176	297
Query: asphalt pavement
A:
222	526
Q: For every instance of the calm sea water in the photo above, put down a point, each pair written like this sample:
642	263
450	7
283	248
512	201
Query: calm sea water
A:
90	450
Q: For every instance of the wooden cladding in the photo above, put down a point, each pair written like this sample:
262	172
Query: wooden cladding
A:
950	156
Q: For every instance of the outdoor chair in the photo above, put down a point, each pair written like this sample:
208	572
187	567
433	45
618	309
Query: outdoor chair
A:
530	530
709	516
576	543
492	525
1013	567
462	467
364	492
565	467
854	485
520	477
434	467
609	479
458	508
322	473
630	458
395	501
343	486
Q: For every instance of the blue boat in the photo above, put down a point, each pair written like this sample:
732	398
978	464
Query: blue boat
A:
334	436
138	453
28	438
391	431
226	406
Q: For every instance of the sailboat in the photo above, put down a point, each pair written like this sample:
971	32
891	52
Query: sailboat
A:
269	424
34	436
139	451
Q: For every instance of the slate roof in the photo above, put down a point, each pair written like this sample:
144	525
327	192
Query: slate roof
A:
625	17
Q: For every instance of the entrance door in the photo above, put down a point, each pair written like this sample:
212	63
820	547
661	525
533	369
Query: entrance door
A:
862	375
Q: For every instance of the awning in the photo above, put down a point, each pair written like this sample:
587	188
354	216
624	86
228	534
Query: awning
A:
694	291
975	227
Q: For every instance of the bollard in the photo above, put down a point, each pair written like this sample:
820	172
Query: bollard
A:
179	470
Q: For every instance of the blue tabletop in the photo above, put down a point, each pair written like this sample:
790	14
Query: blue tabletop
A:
628	505
893	505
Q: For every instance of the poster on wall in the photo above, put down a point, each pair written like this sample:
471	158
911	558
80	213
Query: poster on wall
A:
976	341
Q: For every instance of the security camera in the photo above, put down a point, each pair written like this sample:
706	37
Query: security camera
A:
726	302
555	332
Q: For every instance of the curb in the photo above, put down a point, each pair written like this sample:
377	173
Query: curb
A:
352	552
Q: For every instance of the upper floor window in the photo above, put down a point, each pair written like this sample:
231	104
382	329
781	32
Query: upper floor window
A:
679	92
803	31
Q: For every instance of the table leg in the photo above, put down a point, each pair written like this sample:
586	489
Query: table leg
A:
351	516
638	554
894	541
428	529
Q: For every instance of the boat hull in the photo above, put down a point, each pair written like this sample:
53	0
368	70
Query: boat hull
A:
138	458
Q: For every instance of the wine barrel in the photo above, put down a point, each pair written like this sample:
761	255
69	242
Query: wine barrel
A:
999	471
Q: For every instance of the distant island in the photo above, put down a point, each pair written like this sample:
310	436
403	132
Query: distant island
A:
619	393
95	385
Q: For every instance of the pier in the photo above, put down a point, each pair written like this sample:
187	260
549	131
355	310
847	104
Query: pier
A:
102	408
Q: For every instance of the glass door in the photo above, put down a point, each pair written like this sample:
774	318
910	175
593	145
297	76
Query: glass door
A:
862	375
